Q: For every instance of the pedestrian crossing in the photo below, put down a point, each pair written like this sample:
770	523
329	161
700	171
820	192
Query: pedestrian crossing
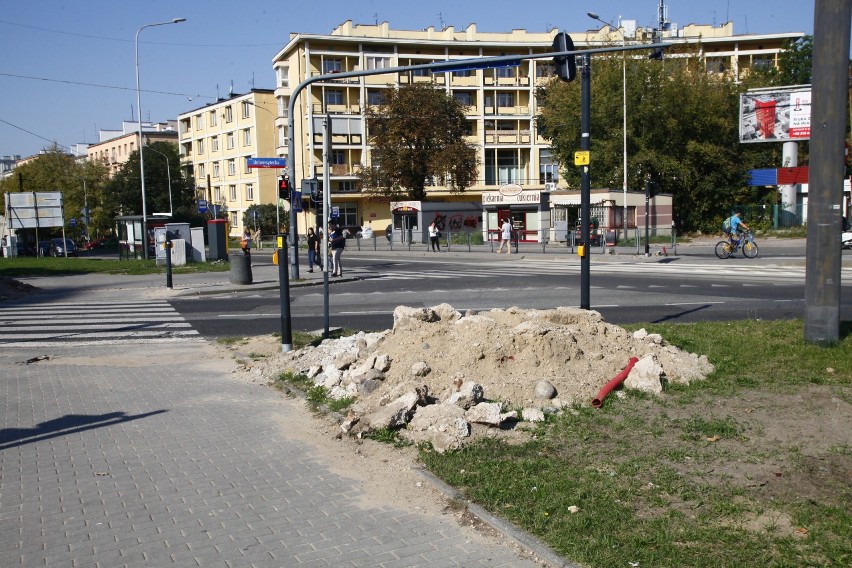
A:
738	272
51	324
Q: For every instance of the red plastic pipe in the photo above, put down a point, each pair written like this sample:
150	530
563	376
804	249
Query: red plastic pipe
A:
597	402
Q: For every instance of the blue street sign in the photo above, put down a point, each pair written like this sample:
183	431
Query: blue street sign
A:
72	222
297	201
267	162
202	206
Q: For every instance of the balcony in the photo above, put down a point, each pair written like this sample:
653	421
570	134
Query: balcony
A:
507	136
318	108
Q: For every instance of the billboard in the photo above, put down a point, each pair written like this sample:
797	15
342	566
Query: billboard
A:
29	210
776	115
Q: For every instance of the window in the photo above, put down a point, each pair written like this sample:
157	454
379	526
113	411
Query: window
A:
347	186
334	97
337	157
201	174
230	140
548	168
463	73
375	97
232	192
246	109
199	121
200	145
213	118
505	100
348	214
246	168
229	114
332	66
247	137
420	72
232	167
215	169
249	192
217	194
234	217
378	62
463	98
506	72
214	144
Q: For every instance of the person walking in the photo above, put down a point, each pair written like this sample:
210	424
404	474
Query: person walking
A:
313	249
337	240
434	235
505	237
245	243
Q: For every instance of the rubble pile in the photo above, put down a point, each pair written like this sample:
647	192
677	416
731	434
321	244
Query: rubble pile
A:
440	376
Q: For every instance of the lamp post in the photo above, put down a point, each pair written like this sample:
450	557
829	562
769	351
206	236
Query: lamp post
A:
168	177
594	16
141	143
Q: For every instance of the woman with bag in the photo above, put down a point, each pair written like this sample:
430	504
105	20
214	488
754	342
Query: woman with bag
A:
434	235
245	243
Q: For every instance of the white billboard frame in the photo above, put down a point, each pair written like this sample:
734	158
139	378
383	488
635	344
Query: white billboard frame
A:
782	112
35	210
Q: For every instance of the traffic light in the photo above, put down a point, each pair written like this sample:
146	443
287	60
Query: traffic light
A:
566	67
284	187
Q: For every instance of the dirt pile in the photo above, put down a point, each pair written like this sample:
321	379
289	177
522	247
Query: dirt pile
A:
11	289
523	359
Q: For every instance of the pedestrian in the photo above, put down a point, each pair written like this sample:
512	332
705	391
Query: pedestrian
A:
337	242
313	249
434	235
245	243
505	237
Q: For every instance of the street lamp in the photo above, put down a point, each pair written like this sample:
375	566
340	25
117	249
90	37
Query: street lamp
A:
168	177
594	16
141	143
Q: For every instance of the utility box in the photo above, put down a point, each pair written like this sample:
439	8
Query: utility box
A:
199	254
217	239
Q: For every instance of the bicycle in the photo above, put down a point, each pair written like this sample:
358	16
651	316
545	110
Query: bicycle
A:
727	248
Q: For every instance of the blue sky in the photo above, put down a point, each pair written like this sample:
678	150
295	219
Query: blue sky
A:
68	67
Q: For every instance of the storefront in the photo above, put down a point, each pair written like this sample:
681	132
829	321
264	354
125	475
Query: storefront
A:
527	210
411	219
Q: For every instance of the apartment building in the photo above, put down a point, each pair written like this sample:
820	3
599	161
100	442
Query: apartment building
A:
217	140
500	103
114	147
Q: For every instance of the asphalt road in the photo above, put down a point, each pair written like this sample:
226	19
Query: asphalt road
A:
687	288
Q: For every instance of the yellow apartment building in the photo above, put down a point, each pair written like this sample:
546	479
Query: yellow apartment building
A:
216	142
500	103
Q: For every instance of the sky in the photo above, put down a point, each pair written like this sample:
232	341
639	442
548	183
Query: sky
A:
68	68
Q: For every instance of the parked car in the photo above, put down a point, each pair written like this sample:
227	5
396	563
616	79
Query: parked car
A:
96	243
60	246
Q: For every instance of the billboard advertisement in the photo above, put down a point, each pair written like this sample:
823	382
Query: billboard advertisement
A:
776	115
32	210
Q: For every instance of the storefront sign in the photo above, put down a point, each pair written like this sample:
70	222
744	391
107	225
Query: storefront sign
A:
497	198
510	189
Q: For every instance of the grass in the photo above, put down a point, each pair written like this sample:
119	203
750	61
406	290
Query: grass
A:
682	480
49	266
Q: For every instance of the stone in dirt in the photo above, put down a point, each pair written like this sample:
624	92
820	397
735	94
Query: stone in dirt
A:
509	354
645	376
442	425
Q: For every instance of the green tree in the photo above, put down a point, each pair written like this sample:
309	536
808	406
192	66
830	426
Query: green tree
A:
80	182
795	64
682	131
417	137
123	195
266	218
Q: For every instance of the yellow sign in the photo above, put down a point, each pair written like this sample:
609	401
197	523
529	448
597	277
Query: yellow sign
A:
581	250
581	158
280	242
275	258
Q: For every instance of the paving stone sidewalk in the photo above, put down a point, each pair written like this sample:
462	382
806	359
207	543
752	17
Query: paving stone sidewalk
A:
159	458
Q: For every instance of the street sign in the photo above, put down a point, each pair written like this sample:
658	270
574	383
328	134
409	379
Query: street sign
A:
72	222
202	206
297	201
581	158
267	162
335	212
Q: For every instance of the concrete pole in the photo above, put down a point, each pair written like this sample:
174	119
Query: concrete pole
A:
828	130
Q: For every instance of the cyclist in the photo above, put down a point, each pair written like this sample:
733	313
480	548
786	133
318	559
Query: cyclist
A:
735	223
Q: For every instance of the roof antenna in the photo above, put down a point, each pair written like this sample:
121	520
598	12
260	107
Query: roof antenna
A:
441	19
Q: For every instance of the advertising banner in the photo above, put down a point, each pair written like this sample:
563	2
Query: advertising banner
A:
776	115
29	210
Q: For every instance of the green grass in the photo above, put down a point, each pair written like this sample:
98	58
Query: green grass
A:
49	266
656	481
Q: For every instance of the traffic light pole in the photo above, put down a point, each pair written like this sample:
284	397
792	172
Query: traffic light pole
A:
585	181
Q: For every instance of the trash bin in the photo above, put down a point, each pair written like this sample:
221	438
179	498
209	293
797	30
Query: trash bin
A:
240	268
217	239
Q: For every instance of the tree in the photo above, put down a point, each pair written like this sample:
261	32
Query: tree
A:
79	182
266	219
682	131
417	136
124	191
795	64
